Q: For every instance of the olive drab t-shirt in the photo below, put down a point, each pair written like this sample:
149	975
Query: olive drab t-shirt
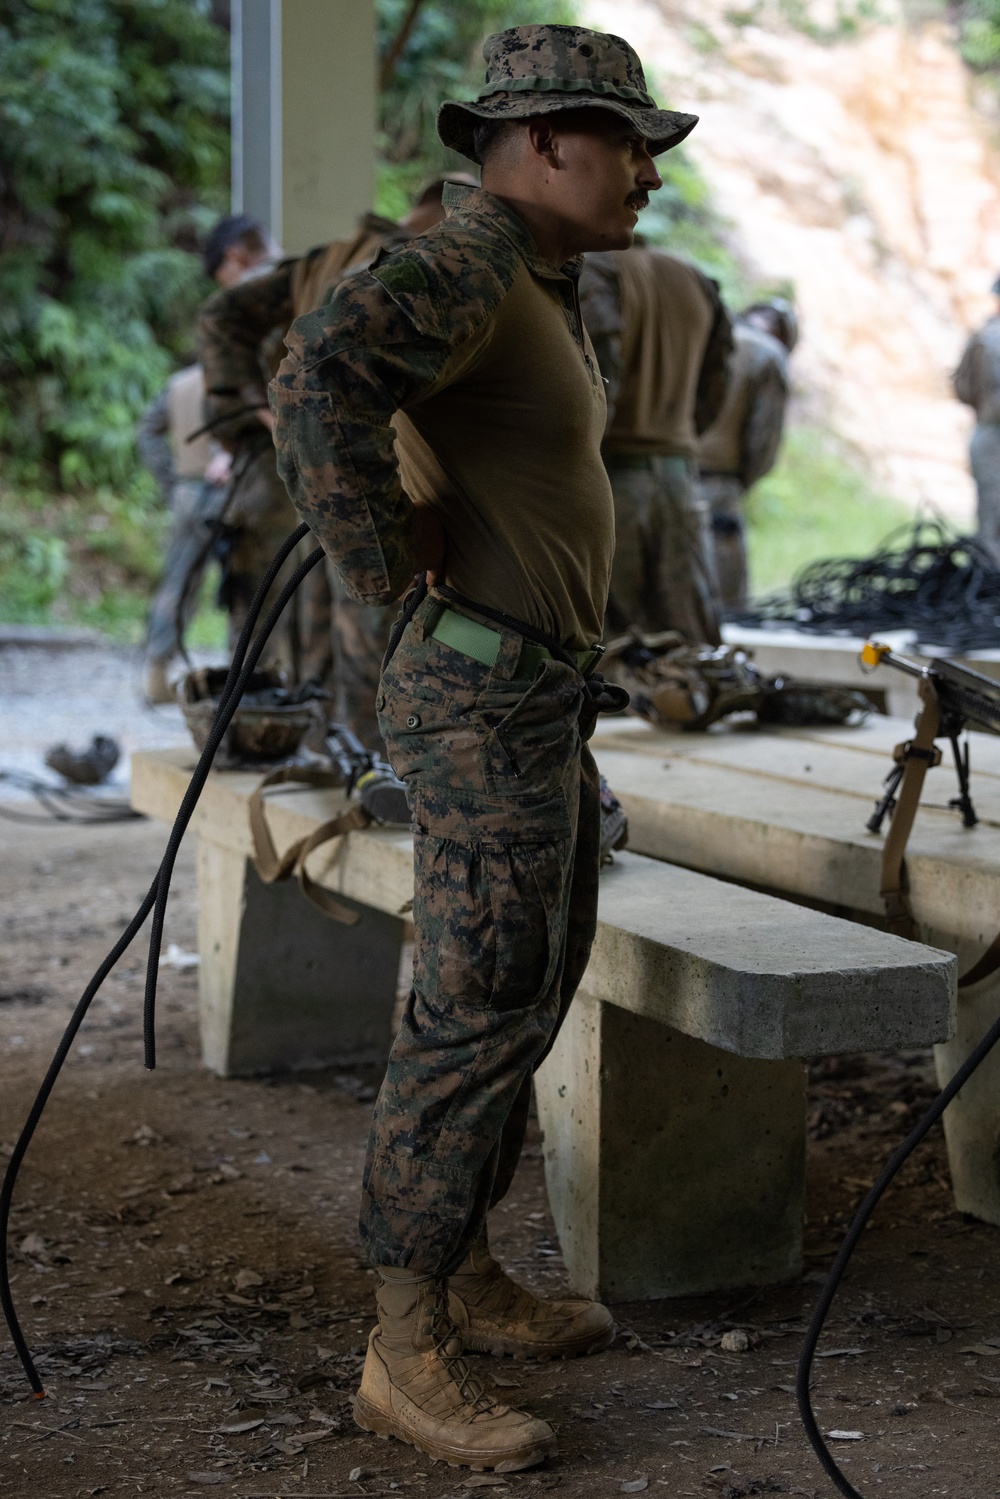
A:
745	437
664	341
479	347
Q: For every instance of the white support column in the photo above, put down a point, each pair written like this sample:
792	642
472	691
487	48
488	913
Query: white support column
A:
304	102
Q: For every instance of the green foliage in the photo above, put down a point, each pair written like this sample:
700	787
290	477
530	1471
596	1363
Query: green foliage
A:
442	60
815	503
114	120
979	29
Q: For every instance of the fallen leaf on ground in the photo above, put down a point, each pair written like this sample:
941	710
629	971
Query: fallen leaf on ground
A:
634	1485
206	1478
846	1436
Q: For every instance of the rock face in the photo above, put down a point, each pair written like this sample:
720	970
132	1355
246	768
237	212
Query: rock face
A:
860	164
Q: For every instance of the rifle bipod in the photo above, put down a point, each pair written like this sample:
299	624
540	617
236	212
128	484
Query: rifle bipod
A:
950	729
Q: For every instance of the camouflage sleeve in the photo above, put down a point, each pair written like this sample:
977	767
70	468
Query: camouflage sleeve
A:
233	327
601	308
764	425
384	341
152	438
965	381
714	377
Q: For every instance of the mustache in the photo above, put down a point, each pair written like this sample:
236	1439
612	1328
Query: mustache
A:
638	200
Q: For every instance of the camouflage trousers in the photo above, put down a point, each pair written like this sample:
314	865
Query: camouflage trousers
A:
360	634
724	496
505	802
194	505
663	574
984	454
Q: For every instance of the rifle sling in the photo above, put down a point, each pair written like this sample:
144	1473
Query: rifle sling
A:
917	755
273	868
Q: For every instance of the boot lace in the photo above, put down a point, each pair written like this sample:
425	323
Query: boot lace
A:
446	1339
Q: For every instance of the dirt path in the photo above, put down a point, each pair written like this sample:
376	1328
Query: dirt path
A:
188	1273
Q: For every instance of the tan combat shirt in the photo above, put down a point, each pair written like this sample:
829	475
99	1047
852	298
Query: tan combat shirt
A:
479	347
977	379
663	338
745	436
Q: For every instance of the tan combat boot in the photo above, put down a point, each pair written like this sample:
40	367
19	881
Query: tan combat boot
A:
495	1315
416	1386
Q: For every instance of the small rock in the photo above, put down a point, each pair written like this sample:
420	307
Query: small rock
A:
735	1341
634	1485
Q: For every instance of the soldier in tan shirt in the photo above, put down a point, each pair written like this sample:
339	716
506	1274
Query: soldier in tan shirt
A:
741	446
442	415
663	340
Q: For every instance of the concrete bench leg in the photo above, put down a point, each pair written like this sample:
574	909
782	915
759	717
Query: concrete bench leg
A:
972	1120
281	985
673	1168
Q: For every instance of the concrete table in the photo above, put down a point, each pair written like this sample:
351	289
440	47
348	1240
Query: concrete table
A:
673	1101
783	651
785	811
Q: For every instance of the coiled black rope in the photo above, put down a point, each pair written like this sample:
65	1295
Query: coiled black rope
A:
245	658
814	1331
942	587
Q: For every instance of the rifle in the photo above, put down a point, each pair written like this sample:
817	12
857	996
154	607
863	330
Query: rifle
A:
953	699
380	791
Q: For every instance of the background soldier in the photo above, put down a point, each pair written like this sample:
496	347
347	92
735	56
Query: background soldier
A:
977	383
457	375
741	445
192	476
238	329
663	340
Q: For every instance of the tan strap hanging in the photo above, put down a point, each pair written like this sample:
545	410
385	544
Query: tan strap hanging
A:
273	868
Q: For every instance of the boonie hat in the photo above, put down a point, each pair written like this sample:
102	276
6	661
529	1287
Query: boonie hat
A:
535	70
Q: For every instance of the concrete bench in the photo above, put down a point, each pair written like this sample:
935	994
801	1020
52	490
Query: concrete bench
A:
834	659
786	811
673	1102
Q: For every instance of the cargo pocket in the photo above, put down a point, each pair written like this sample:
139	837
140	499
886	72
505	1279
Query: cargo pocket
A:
490	921
528	889
530	739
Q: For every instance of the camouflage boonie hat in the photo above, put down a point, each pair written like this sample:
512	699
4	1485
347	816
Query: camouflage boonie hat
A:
535	70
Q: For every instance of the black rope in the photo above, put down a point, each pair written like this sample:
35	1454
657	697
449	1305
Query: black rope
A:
245	658
232	691
923	578
816	1323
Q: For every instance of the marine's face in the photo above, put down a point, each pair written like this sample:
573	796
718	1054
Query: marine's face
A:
606	178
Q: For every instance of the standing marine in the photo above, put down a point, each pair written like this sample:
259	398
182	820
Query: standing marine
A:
977	383
663	339
339	639
442	417
191	473
741	445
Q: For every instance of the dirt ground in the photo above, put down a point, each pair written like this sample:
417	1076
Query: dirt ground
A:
187	1270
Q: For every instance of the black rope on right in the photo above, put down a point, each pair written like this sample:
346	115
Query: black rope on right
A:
923	578
899	1156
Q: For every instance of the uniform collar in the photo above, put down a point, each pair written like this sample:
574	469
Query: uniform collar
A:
478	207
